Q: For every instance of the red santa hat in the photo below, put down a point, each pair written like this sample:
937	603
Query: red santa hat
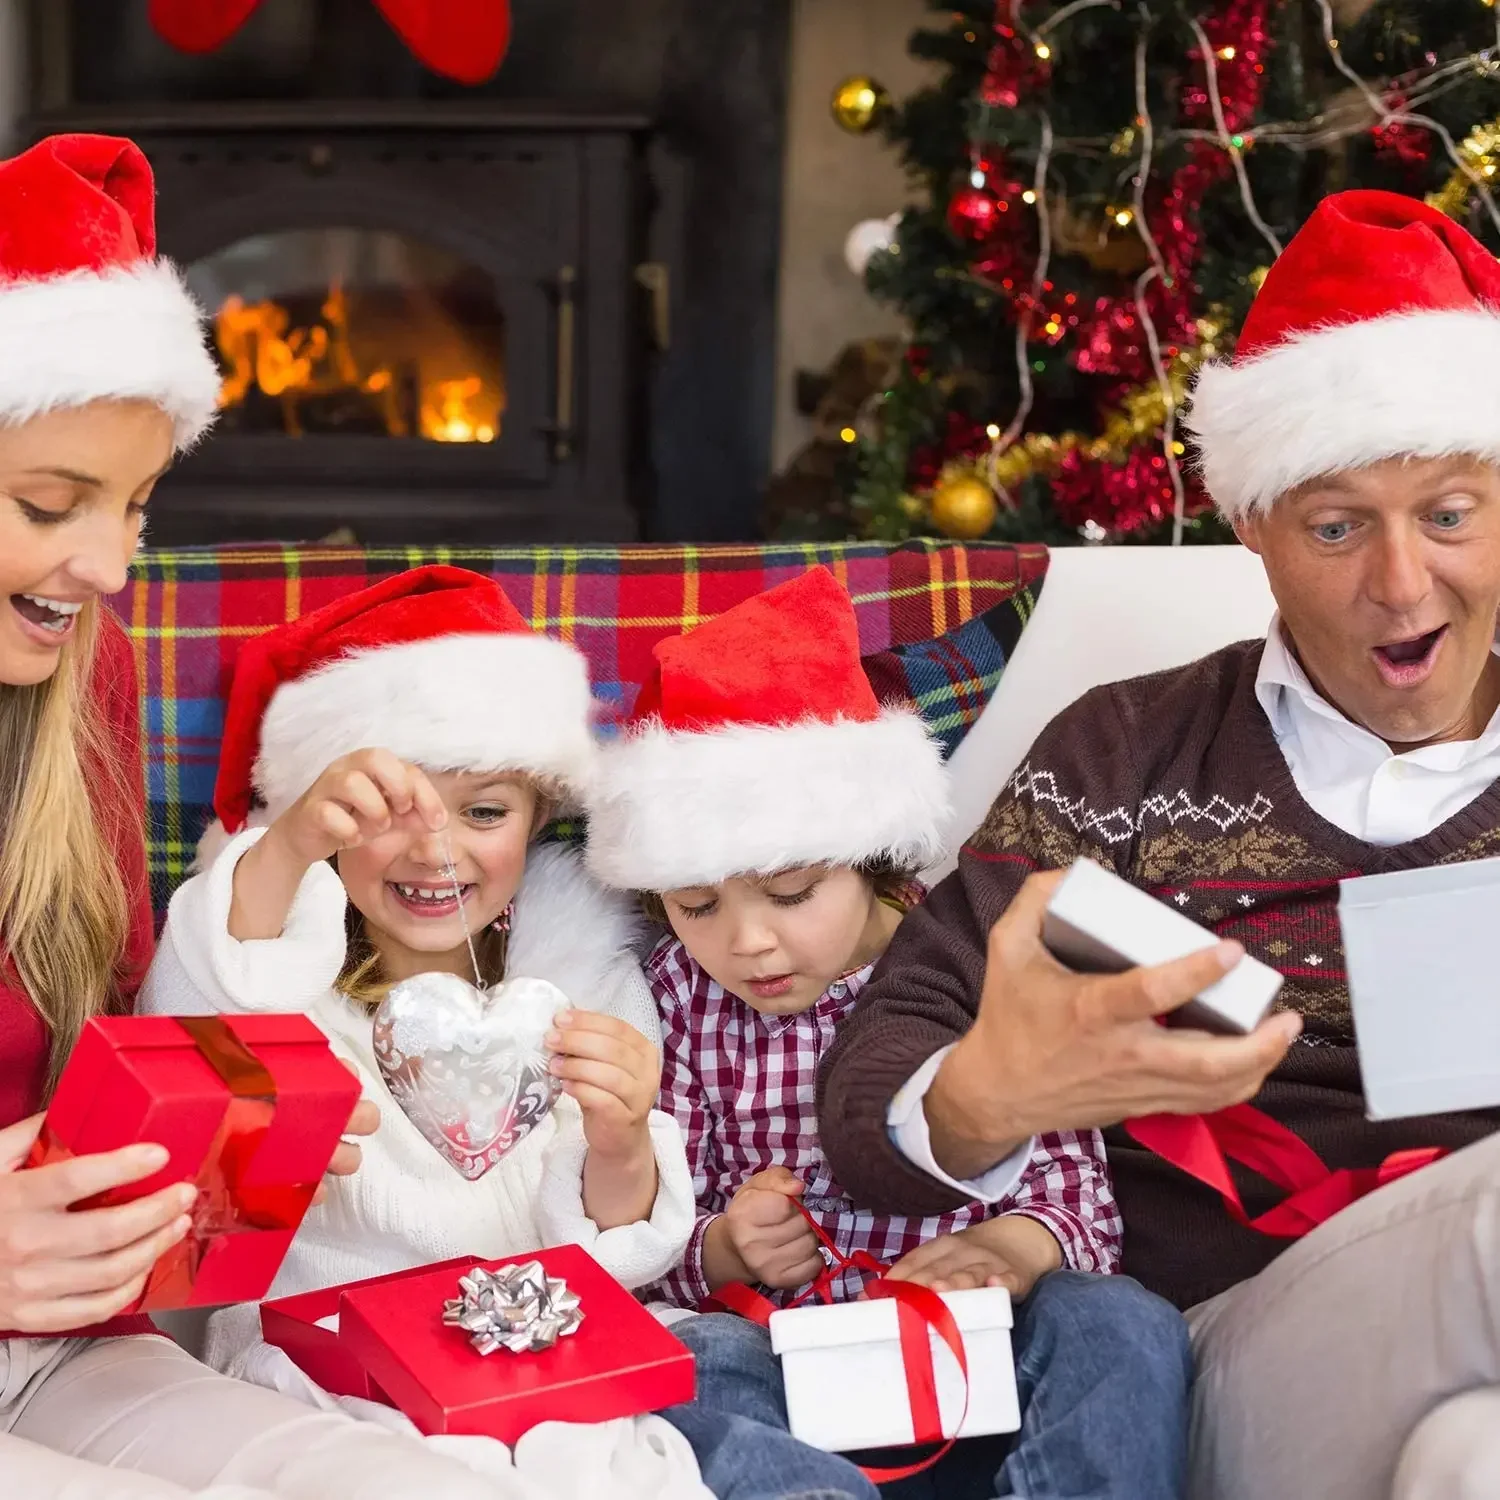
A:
758	745
435	665
1376	335
87	311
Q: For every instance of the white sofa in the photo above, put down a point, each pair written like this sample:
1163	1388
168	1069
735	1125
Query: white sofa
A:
1106	613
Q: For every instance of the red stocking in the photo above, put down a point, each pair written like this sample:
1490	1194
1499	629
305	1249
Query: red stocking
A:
462	39
199	25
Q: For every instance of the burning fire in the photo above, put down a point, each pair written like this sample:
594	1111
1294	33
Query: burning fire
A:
262	351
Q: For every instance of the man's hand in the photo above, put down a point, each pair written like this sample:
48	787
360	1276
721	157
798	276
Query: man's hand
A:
1055	1050
762	1236
1012	1251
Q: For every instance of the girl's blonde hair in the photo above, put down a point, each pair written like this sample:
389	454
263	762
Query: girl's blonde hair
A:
362	980
64	802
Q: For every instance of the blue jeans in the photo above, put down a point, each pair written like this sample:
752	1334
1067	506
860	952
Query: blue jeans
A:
1102	1370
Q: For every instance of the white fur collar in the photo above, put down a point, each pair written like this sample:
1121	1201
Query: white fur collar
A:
567	928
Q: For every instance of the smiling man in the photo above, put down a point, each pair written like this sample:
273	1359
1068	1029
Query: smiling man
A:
1355	445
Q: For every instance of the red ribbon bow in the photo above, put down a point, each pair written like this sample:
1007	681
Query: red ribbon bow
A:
1204	1145
918	1309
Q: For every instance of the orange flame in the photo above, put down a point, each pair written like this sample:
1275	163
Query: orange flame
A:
260	350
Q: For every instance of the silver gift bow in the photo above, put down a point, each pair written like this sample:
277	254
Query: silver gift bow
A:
518	1307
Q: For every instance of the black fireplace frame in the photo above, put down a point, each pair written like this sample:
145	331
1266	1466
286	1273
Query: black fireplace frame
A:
567	252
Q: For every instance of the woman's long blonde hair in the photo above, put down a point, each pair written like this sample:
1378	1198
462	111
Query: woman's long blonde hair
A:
64	914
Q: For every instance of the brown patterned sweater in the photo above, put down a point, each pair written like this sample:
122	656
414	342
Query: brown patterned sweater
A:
1175	782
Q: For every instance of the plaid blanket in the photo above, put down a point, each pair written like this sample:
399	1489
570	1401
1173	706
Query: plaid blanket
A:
937	623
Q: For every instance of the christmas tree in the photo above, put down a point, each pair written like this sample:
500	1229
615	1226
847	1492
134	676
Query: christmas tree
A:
1107	182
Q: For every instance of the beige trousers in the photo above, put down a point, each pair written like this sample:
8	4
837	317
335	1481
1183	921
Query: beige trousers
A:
139	1419
1364	1363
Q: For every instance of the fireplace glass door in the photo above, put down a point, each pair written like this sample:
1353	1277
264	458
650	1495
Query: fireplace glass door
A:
346	331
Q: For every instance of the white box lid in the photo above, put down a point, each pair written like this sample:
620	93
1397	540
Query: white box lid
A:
975	1310
1420	953
1110	924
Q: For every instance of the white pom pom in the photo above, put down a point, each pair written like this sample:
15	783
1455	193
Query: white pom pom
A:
868	237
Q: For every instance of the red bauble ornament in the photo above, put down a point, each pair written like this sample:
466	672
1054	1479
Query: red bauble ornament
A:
1400	142
974	213
462	39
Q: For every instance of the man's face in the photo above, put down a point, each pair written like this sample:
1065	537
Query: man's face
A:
1388	582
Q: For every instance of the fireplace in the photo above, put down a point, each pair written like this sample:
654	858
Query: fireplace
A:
434	320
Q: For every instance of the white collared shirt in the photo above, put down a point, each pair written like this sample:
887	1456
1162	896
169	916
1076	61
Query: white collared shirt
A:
1351	777
1347	775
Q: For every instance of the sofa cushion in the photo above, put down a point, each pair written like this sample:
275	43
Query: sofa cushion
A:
937	622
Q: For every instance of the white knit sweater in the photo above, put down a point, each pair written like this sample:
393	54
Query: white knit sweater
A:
406	1206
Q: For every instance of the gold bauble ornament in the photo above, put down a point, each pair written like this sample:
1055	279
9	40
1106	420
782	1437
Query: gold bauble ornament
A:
858	104
963	507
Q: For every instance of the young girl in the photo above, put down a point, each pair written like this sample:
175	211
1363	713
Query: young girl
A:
774	813
338	882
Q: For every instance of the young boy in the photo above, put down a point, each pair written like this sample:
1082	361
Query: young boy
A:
775	814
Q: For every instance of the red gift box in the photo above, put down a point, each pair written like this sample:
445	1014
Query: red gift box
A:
621	1361
250	1108
291	1324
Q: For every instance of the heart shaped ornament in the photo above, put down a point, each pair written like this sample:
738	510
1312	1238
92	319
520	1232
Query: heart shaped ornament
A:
467	1066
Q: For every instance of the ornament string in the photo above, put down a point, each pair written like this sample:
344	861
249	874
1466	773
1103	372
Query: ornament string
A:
1023	324
1226	141
463	915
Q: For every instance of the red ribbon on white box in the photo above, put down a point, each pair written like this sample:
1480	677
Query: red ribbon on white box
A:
918	1310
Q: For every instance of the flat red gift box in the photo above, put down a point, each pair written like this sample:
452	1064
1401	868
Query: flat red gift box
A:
251	1109
621	1361
291	1324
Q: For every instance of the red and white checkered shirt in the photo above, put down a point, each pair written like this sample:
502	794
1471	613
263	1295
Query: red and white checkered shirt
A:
741	1085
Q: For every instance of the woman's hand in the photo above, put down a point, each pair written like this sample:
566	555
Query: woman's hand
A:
1012	1251
614	1074
61	1270
356	799
365	1120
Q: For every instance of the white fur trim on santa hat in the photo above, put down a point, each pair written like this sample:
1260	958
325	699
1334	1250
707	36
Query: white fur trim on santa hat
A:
93	335
517	702
1420	385
671	809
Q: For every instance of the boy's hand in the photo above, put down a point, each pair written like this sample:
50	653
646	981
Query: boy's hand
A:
1012	1251
614	1074
767	1233
356	799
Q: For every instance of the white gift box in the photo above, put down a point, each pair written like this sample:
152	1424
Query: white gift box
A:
846	1386
1421	961
1097	923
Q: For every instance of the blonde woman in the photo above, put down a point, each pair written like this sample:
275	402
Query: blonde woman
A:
103	375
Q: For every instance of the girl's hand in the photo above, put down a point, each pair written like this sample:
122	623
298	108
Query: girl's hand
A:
614	1074
61	1270
356	799
1012	1251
